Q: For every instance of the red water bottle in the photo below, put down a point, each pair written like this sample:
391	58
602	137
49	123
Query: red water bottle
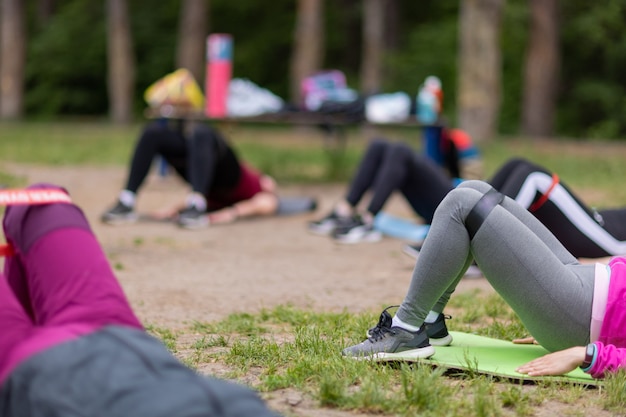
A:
218	73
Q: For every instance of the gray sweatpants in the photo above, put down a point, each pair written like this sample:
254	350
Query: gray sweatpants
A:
544	284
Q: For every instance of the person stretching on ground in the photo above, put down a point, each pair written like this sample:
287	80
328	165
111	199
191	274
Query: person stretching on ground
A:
585	232
221	185
390	166
573	310
71	345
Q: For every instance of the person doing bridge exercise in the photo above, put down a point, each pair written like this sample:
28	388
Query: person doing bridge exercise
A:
575	311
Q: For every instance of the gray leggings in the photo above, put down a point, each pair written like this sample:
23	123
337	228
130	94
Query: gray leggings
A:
544	284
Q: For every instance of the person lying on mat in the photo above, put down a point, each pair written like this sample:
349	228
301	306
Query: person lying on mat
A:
584	231
389	166
221	185
573	310
71	344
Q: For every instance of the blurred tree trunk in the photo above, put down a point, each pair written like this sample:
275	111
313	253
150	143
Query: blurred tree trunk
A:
541	72
121	63
479	93
373	45
12	58
192	34
306	58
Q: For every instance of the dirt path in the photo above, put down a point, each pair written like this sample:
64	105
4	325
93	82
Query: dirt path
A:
174	276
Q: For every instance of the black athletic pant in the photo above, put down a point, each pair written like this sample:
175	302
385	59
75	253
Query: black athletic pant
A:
584	232
203	159
389	166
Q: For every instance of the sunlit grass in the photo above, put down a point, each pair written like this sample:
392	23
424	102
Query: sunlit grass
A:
286	347
298	154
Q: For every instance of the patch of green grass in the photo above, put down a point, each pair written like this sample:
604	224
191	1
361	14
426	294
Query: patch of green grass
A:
299	349
167	336
58	143
615	390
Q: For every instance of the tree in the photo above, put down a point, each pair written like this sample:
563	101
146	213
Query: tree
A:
479	89
541	72
373	45
12	58
306	57
120	60
192	33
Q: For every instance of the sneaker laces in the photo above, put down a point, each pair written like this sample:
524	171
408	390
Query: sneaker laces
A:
382	327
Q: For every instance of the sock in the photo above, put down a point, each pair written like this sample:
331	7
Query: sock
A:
127	198
396	322
432	317
197	200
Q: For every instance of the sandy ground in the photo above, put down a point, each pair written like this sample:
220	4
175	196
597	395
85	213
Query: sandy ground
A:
173	276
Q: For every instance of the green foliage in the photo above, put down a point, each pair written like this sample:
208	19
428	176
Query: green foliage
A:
66	65
593	80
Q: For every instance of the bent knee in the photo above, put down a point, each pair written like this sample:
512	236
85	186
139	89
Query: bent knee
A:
477	185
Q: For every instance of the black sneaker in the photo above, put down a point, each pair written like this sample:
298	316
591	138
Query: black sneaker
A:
192	218
356	231
327	225
119	214
437	332
389	343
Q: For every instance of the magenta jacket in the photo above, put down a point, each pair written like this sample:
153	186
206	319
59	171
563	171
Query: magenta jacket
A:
611	345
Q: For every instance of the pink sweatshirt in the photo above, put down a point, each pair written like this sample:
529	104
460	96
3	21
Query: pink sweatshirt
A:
611	345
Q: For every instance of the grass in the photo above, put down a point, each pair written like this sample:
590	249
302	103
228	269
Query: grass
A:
289	348
303	155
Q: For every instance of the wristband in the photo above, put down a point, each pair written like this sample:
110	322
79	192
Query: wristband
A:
589	355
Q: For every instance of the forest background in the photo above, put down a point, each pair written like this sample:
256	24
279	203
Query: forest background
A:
538	68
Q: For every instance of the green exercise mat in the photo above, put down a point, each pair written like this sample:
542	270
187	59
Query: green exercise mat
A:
469	352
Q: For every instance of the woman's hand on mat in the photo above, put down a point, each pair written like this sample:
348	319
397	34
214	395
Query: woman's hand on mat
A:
555	363
526	341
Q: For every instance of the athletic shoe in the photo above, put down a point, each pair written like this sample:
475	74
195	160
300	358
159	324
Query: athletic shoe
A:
119	214
437	332
357	231
327	225
414	250
192	218
392	344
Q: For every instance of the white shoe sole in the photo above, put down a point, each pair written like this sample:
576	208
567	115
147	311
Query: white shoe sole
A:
320	231
413	253
121	220
443	341
369	238
406	356
195	225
